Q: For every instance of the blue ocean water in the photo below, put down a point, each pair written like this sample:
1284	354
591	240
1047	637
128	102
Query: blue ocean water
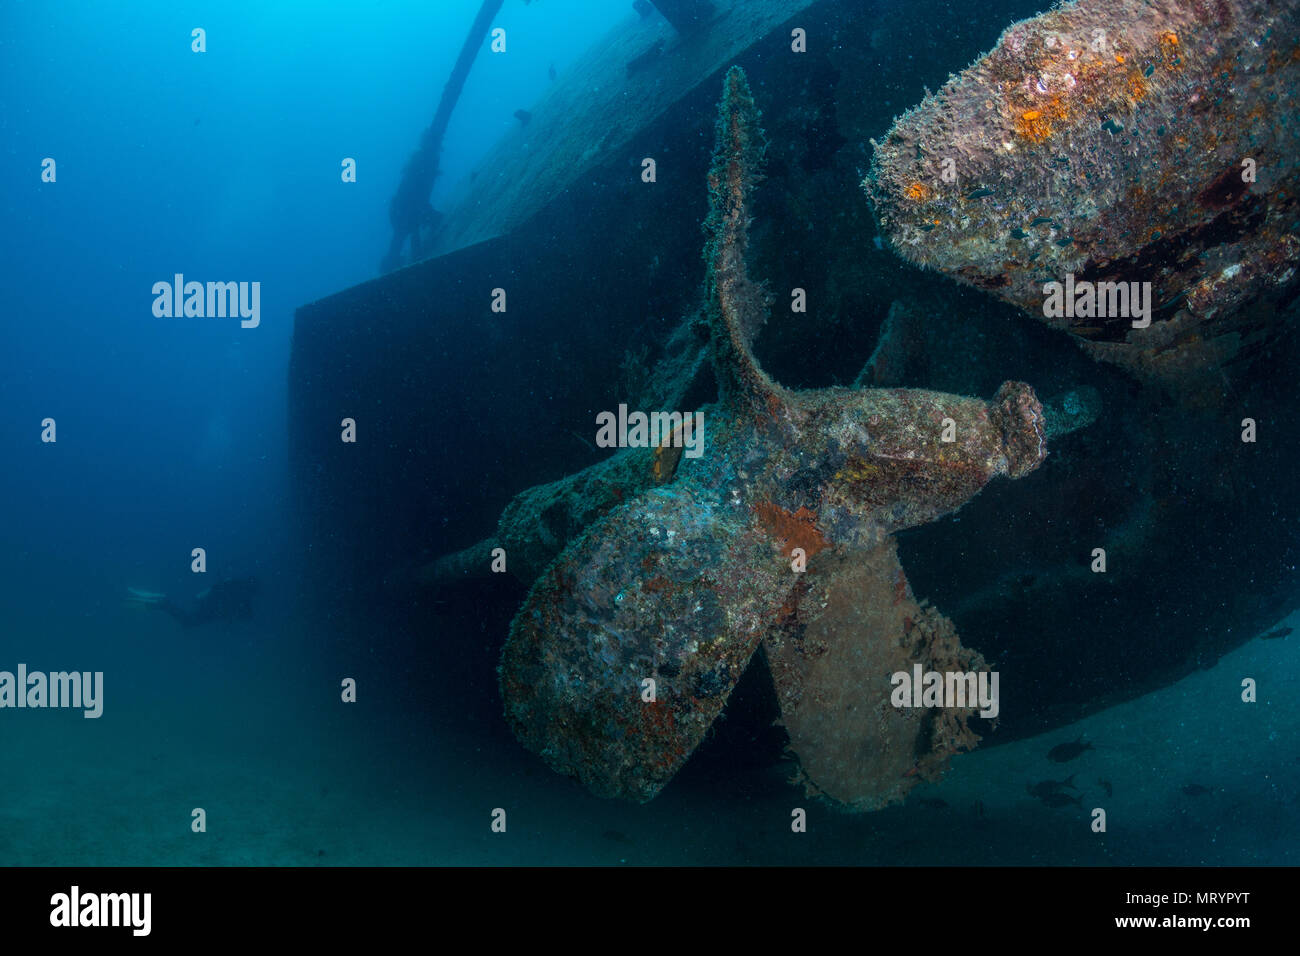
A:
173	434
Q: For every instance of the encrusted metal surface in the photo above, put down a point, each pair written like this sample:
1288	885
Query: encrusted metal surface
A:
1117	141
680	585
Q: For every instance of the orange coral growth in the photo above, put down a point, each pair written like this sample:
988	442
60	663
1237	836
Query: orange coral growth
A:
1137	85
1033	126
1169	48
917	192
796	529
1038	122
1097	86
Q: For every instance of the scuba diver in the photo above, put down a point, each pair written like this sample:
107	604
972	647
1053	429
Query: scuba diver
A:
409	211
230	600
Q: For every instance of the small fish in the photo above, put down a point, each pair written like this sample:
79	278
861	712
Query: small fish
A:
1105	785
1055	800
1196	790
934	803
1274	634
523	116
616	836
1063	752
551	72
1045	788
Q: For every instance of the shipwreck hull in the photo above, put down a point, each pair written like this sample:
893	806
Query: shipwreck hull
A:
459	408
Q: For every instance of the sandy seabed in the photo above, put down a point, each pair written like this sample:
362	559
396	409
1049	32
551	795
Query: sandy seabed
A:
350	786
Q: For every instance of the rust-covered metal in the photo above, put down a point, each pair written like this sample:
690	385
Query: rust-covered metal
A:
631	641
861	624
1127	141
